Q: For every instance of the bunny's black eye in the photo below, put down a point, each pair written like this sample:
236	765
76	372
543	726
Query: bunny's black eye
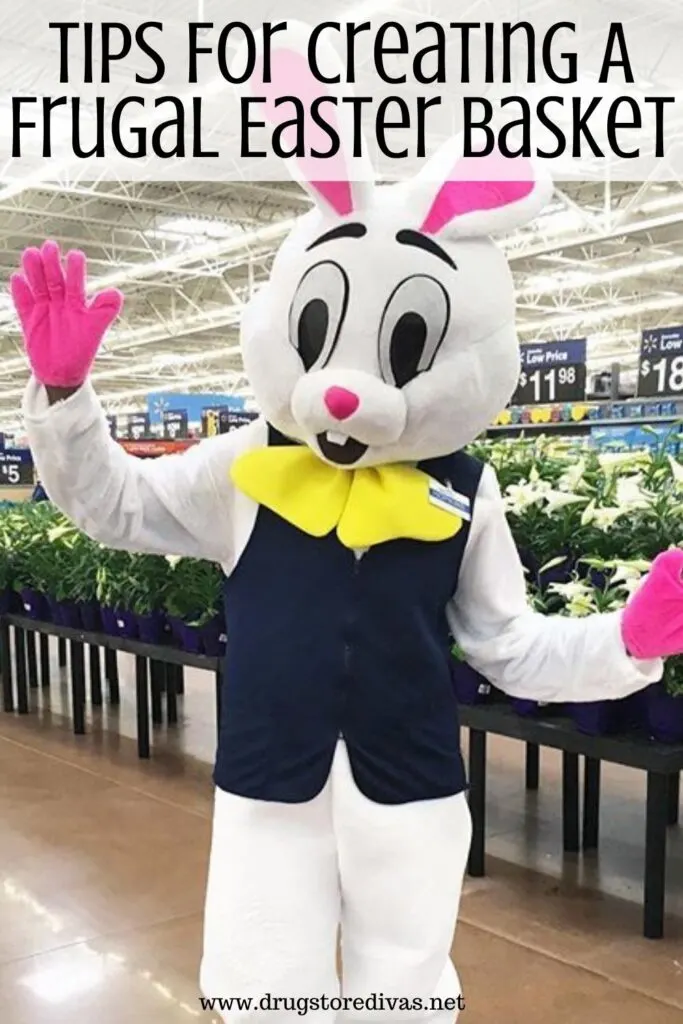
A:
413	326
317	313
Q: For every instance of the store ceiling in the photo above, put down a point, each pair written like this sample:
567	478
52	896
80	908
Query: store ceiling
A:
603	262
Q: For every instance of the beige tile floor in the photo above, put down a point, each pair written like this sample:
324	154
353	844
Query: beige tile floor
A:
103	861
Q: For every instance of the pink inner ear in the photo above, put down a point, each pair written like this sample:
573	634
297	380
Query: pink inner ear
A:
472	186
291	76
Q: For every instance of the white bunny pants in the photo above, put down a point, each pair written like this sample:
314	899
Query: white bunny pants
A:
283	878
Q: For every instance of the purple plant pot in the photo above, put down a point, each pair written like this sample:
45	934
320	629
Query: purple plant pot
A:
525	708
35	605
10	601
55	611
70	614
91	616
151	628
191	639
529	561
126	624
470	687
118	622
665	715
108	618
632	712
596	577
213	637
596	718
176	627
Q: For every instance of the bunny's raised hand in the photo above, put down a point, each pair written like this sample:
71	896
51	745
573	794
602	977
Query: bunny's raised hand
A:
62	331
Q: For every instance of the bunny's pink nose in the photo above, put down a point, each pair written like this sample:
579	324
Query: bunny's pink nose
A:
341	403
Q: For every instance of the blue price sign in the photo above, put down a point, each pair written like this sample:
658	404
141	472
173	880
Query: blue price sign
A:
661	362
138	426
232	419
16	467
552	371
175	424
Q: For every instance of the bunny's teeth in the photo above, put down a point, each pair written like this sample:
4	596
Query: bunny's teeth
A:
336	438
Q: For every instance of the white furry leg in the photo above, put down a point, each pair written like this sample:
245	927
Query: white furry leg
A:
402	869
272	908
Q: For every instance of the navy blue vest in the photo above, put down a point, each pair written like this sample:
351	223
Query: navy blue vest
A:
322	644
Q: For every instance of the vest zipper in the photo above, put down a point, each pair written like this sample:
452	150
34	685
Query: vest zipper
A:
357	556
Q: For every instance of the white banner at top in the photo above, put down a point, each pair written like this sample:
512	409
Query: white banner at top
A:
216	90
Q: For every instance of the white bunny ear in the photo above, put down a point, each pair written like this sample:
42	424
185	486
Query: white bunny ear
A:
464	197
341	184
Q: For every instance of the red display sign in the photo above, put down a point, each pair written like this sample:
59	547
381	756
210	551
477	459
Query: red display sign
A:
152	449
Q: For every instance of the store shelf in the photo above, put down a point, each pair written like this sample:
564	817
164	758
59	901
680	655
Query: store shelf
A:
582	426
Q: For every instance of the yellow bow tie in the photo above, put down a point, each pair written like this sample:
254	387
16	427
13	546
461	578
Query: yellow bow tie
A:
367	506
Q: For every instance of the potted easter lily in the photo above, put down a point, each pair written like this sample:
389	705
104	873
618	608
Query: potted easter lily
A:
545	517
149	581
583	597
115	582
194	605
31	558
84	583
64	548
8	597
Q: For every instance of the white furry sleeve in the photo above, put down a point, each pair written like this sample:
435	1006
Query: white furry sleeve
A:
546	658
175	505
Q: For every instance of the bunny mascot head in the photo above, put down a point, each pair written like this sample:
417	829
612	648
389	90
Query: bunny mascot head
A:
386	332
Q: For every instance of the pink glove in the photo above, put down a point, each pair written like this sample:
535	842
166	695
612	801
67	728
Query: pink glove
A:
652	621
62	332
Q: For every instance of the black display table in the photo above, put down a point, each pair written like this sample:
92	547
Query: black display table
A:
156	675
662	762
154	671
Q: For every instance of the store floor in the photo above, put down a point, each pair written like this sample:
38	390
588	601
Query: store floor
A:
103	860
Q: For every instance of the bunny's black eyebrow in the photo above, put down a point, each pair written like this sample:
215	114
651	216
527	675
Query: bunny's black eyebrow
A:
343	231
421	241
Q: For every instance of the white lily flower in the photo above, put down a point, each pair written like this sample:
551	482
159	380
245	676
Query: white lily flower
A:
628	572
173	560
580	606
605	518
572	477
613	462
560	499
631	585
676	471
630	493
588	514
573	591
519	497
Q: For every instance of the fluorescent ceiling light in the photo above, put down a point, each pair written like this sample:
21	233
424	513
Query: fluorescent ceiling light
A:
560	222
664	203
547	284
193	229
601	313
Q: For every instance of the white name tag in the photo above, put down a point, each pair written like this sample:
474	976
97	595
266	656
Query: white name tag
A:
446	498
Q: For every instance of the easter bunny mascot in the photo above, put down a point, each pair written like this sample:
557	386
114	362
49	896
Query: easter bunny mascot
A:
356	537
